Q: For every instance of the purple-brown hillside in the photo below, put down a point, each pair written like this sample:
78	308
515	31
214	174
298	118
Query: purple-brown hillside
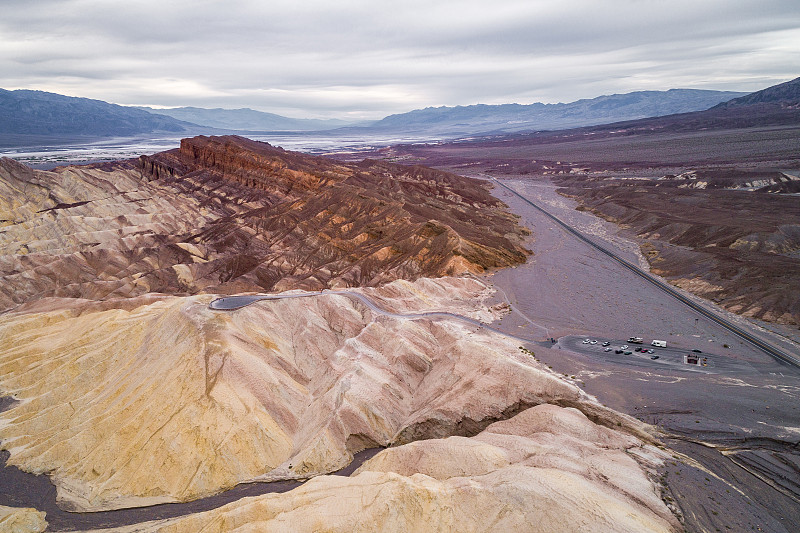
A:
227	214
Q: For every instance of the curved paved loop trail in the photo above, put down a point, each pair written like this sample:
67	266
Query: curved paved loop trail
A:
232	303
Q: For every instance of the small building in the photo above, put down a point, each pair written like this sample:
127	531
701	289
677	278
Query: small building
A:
694	359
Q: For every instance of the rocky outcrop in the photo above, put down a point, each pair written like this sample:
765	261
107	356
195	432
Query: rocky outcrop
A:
231	215
253	164
21	520
87	233
314	222
736	179
547	469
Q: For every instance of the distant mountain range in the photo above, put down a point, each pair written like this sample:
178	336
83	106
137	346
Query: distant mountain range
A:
245	119
783	93
24	112
508	118
778	105
26	115
761	126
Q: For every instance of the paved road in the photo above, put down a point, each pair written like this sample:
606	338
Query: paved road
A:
779	355
231	303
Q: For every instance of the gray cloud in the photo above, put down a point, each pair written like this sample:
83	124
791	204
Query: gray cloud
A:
368	59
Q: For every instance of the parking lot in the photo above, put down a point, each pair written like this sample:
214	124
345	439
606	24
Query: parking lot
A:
624	352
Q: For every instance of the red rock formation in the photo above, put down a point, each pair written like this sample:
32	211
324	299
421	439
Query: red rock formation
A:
226	214
307	221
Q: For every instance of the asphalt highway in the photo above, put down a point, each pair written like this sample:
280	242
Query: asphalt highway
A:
778	354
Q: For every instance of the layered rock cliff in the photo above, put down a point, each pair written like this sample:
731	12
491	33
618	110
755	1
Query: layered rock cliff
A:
230	215
313	222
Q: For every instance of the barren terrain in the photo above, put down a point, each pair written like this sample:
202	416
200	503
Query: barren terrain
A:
711	206
675	193
710	196
748	263
126	389
546	469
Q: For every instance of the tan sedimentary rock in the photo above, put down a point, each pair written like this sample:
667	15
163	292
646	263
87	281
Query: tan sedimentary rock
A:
21	520
430	295
172	401
548	469
89	233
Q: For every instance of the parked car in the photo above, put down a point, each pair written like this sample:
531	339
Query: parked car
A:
628	352
593	341
637	349
624	346
606	343
617	351
654	357
697	351
607	349
649	350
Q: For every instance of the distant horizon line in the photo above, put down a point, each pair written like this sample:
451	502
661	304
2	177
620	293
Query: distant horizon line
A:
360	120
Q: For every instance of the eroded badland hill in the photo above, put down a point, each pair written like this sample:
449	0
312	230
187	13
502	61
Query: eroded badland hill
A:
229	215
723	235
172	401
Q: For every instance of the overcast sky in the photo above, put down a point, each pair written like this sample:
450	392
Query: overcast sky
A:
368	59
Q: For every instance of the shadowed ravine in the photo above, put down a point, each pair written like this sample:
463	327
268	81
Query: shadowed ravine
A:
21	489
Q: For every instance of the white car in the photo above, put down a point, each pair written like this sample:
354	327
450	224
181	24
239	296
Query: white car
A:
586	341
607	349
624	346
593	342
